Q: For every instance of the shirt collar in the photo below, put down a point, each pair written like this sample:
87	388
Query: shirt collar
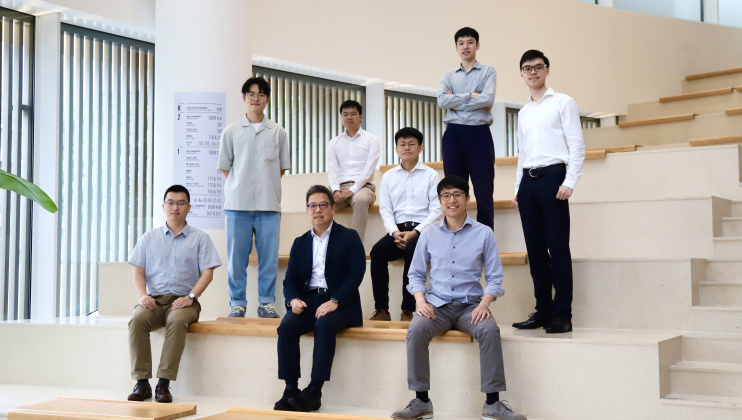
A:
358	134
324	234
418	166
186	230
442	224
549	92
265	123
475	66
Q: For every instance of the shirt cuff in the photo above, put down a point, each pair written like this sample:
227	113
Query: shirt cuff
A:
355	188
413	288
569	183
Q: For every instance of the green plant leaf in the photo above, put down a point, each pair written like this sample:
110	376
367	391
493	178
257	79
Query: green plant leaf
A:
28	189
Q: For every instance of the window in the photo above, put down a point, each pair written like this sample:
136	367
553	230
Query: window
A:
307	107
417	111
16	156
105	152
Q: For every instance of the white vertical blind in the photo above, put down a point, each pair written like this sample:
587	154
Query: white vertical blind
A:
417	111
16	157
307	107
105	180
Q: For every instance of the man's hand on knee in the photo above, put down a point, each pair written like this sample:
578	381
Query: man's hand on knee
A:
480	313
338	196
182	302
147	302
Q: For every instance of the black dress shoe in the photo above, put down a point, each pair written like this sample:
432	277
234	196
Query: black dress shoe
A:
535	320
559	325
162	394
283	403
306	401
141	392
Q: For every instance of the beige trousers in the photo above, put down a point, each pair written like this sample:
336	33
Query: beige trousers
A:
176	323
360	203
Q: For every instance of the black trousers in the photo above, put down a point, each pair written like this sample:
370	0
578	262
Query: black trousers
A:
468	150
325	329
545	221
386	250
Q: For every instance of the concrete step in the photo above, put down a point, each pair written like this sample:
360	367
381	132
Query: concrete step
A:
718	81
676	406
707	378
737	207
732	226
720	293
702	126
728	247
724	99
719	348
721	319
729	270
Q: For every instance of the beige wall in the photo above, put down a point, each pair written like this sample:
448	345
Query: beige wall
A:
604	58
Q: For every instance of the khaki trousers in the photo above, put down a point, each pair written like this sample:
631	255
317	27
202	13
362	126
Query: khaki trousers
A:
360	203
176	323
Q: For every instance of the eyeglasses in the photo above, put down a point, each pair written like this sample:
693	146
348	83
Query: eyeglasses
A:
456	195
538	67
350	115
173	203
403	145
253	95
322	206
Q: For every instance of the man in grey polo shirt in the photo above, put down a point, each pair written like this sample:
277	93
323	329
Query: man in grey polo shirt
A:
253	156
173	265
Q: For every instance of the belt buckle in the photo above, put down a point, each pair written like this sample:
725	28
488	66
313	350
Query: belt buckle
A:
530	173
321	290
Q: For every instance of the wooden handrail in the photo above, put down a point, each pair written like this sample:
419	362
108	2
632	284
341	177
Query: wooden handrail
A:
713	74
703	94
660	120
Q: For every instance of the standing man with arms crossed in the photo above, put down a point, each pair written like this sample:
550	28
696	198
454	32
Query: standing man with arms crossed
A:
173	265
468	93
253	156
408	203
551	150
351	161
457	249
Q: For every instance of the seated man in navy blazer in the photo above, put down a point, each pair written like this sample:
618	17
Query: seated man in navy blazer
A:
326	267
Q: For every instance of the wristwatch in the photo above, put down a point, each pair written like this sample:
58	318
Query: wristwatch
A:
192	296
335	301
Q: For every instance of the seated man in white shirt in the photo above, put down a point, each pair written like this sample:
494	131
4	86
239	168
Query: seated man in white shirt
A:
351	160
408	203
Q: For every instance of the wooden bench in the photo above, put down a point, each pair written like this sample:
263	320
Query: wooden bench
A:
713	74
266	327
77	408
255	414
659	120
507	258
703	94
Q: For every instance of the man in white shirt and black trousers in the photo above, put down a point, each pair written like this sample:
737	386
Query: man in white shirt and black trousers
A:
551	150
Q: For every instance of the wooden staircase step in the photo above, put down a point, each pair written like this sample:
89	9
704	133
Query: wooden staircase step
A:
266	327
733	111
660	120
703	94
507	258
76	408
716	140
255	414
712	74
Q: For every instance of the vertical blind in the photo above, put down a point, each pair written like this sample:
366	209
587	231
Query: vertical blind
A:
417	111
307	107
105	154
16	157
511	128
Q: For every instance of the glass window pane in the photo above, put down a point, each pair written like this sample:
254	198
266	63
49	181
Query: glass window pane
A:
681	9
730	12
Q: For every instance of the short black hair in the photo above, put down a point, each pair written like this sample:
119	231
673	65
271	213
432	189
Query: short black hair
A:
263	85
466	31
316	189
177	189
531	55
453	181
408	132
351	104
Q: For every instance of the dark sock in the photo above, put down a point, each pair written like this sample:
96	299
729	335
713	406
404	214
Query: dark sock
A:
143	381
315	386
423	396
163	382
493	397
291	385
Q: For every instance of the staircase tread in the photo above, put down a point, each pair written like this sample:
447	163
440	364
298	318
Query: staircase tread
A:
721	283
735	402
732	218
695	365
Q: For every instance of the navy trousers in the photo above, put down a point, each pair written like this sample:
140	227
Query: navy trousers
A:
468	150
386	250
325	329
545	221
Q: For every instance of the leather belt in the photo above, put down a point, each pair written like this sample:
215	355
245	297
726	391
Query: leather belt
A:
546	170
320	290
408	224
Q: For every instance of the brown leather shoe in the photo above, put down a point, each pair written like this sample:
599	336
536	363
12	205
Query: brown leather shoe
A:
141	393
406	316
162	394
380	315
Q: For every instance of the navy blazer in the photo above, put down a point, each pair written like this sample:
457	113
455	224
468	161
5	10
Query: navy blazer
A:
345	265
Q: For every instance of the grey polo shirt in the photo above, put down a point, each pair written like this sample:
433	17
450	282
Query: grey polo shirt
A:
255	161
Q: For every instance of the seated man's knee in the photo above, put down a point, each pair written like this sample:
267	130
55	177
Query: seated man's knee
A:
487	330
419	331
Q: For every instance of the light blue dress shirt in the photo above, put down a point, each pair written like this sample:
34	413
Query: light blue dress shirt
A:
481	79
456	261
173	263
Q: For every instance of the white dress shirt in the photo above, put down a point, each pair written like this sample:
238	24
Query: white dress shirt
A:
409	197
319	252
352	159
550	132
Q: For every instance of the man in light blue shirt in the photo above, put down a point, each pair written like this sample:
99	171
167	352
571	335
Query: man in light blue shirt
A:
173	265
457	249
468	93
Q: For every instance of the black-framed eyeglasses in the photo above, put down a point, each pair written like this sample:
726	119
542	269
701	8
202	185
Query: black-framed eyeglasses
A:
322	206
180	204
456	195
538	67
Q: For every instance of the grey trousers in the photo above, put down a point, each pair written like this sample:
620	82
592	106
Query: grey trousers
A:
454	316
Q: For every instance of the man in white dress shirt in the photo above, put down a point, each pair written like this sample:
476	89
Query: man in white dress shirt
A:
551	150
408	203
351	160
